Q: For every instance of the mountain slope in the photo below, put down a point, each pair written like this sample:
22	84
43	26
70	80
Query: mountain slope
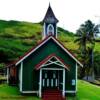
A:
17	37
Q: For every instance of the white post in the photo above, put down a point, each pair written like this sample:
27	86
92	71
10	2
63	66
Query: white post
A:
7	75
56	31
21	76
58	79
76	78
43	36
63	83
40	84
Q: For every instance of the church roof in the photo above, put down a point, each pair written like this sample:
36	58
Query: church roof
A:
50	17
41	44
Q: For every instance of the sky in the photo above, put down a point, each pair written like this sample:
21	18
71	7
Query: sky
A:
70	13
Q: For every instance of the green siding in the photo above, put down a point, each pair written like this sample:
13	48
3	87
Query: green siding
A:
31	76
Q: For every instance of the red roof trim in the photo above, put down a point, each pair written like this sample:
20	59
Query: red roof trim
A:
68	50
39	44
31	49
65	48
38	66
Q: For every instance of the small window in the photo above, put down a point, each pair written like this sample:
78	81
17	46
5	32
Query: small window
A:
73	82
50	29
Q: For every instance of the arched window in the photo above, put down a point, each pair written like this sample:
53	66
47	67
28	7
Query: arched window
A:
50	29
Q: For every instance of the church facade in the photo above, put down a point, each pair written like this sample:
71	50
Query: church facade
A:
49	65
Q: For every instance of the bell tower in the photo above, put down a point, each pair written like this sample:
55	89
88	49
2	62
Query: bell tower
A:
50	24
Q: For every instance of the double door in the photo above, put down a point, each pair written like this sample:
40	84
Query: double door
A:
51	79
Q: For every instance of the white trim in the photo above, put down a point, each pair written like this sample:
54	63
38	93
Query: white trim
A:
40	84
67	51
43	44
21	76
31	51
29	92
76	77
54	62
7	75
63	92
58	78
61	63
52	69
70	91
56	31
43	36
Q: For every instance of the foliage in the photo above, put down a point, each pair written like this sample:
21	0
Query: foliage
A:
86	42
2	65
16	38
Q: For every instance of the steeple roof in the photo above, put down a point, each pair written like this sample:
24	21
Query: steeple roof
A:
50	17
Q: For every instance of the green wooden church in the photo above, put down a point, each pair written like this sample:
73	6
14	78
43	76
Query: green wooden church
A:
48	65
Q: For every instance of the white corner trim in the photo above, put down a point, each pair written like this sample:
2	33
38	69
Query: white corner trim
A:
76	76
56	31
29	92
21	76
40	83
51	37
7	75
43	35
63	92
70	91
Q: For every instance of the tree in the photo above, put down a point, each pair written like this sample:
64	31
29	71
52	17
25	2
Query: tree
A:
86	40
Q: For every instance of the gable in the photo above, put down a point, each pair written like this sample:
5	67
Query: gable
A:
52	59
42	44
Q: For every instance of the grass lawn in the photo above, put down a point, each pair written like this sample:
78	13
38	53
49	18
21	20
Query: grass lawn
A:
86	91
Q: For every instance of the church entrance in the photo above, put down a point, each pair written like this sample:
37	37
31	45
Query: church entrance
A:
51	79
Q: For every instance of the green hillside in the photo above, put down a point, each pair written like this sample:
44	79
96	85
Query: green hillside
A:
86	91
16	38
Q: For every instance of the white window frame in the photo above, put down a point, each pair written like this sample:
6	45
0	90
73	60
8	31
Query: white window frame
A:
50	25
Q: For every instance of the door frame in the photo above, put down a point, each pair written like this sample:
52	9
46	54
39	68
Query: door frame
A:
40	79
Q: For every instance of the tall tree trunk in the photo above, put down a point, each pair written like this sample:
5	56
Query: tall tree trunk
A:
92	63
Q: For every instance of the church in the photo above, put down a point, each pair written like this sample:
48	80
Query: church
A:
49	65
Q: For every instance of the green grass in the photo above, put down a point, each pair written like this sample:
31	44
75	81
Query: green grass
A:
12	93
86	91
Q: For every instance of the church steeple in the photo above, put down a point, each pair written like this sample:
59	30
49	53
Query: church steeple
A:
50	23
